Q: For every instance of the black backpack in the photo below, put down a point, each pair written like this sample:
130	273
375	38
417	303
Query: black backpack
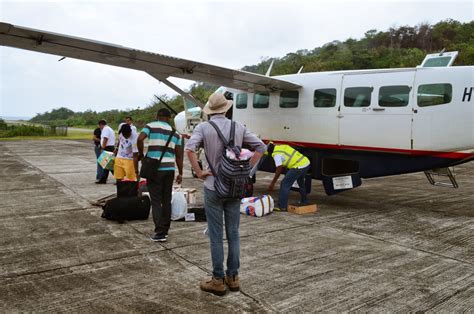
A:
232	176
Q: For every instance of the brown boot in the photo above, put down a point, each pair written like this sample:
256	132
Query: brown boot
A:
214	285
233	282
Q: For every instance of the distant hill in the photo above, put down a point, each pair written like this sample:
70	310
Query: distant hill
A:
405	46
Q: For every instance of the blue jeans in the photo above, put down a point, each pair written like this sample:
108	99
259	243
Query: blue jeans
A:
100	171
291	176
215	208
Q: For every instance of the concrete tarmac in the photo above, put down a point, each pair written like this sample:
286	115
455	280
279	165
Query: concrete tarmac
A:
393	244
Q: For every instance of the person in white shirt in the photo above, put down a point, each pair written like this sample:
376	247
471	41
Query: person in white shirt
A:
126	162
128	120
107	143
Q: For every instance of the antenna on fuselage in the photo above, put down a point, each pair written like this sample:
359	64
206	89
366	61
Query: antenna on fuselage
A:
269	68
301	69
442	51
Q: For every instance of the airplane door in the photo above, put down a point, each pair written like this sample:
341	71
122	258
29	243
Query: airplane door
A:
316	121
376	110
444	111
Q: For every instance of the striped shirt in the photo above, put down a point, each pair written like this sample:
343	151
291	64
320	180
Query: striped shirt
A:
158	133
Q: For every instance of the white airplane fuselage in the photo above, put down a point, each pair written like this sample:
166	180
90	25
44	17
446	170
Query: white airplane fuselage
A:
430	124
447	127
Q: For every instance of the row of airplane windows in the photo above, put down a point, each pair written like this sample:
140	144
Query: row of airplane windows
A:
389	96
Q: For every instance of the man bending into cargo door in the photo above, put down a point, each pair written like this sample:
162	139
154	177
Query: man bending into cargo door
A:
297	164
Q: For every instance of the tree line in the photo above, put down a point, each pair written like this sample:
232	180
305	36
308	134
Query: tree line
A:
403	46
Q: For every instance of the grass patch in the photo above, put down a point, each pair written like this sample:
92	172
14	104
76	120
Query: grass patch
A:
71	135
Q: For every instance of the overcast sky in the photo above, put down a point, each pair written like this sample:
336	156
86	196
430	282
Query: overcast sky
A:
226	33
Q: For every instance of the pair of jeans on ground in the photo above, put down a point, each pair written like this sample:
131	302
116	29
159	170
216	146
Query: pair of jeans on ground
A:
291	176
160	187
215	208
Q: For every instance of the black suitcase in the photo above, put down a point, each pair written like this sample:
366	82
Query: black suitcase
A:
127	188
127	208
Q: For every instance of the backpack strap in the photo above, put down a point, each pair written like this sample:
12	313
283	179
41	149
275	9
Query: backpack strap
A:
221	136
232	134
167	143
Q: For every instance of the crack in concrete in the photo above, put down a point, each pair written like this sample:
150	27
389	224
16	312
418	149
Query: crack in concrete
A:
405	246
47	212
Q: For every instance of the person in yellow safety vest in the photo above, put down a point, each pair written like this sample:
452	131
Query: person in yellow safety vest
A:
297	164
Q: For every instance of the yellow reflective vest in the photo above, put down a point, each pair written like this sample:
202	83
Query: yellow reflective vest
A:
294	159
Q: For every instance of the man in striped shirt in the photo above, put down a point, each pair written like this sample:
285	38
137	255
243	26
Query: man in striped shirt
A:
160	185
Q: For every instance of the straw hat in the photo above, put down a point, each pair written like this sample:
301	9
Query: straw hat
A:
217	103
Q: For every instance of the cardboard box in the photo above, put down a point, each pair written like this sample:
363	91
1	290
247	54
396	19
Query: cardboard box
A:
106	160
306	209
189	193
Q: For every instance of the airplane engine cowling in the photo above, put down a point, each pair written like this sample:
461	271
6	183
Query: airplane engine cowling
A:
180	122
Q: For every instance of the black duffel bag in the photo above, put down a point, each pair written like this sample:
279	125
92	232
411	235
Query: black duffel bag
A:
127	188
127	208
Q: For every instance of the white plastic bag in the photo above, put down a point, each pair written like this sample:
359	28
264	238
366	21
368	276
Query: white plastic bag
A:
179	206
257	206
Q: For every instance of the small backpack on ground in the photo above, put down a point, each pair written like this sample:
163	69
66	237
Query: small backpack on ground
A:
232	176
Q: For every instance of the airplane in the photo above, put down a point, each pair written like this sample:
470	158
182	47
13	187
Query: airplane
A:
352	125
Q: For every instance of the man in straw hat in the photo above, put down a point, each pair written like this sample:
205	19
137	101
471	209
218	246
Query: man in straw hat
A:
216	207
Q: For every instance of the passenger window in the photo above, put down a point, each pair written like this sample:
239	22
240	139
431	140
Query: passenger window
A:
261	100
357	96
289	99
394	96
324	98
434	94
241	101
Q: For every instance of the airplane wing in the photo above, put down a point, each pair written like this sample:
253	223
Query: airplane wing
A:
159	66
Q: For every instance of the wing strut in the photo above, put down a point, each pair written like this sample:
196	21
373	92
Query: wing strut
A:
166	104
188	96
